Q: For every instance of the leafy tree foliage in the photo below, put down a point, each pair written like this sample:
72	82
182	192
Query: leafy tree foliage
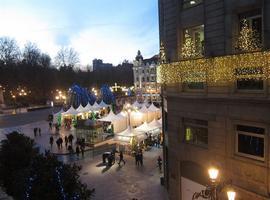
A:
26	174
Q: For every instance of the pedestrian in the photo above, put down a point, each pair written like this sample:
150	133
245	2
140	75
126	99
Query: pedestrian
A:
78	151
66	141
50	125
51	141
61	142
159	161
82	151
70	149
140	157
70	138
39	131
137	158
58	143
35	132
121	158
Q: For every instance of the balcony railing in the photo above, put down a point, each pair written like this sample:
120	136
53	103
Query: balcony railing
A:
217	70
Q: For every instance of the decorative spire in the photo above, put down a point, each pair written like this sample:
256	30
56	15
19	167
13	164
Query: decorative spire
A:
139	56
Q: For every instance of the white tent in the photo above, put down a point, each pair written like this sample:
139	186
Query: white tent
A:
80	109
119	122
160	121
153	112
144	128
70	111
136	118
96	107
155	124
136	104
57	115
87	108
144	111
102	104
126	135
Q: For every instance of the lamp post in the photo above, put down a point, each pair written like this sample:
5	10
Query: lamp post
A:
214	188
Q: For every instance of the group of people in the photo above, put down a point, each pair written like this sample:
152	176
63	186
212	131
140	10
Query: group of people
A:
139	158
37	131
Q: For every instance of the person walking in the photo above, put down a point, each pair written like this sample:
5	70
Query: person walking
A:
82	150
51	141
140	156
39	131
137	158
77	151
121	158
159	161
61	142
66	141
70	138
50	125
58	143
35	132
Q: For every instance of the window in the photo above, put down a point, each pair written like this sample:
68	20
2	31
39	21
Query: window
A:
153	78
196	132
244	83
250	141
193	42
190	3
143	71
250	31
195	85
147	78
143	79
137	79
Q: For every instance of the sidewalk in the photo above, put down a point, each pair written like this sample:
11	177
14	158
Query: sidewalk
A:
124	182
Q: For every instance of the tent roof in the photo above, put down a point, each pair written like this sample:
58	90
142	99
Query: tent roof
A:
144	127
144	109
70	111
59	112
80	109
87	108
103	104
137	104
153	108
111	117
96	107
127	134
155	124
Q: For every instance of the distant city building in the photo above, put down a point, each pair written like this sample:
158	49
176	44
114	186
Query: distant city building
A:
145	77
98	64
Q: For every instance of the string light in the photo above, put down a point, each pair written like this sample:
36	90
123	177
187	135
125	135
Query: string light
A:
217	70
249	39
188	48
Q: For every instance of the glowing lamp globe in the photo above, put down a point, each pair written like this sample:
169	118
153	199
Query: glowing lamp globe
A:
213	173
231	195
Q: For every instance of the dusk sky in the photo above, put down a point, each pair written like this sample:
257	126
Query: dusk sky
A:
112	30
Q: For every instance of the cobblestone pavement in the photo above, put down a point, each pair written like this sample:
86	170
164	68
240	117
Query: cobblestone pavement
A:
124	182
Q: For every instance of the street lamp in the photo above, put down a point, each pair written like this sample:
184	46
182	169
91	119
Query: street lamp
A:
214	188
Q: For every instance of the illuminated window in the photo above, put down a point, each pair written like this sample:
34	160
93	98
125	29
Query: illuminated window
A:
193	42
250	141
196	132
191	3
243	83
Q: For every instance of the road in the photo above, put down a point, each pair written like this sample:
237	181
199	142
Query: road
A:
25	118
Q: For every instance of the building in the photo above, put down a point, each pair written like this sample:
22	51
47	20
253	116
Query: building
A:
99	65
215	93
145	78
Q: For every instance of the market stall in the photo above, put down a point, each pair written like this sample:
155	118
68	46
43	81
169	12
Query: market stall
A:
118	122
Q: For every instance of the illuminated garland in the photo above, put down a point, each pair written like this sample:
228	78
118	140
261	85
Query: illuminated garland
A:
248	39
217	70
188	49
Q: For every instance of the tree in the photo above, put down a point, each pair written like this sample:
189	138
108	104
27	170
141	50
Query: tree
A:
16	155
67	57
26	174
188	49
9	51
45	60
31	54
248	39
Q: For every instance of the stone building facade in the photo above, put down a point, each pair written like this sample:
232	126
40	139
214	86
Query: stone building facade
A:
145	78
216	103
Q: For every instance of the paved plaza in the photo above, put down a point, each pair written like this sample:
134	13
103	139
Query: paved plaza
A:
125	182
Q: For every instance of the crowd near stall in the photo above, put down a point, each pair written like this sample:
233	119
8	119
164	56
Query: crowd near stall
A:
136	126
